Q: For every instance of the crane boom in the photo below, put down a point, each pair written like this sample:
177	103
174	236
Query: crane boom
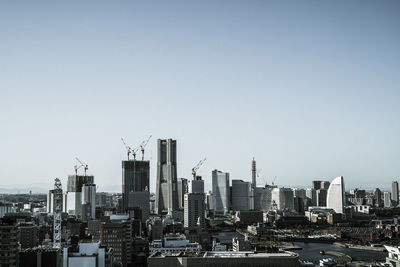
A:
198	165
128	148
143	145
86	167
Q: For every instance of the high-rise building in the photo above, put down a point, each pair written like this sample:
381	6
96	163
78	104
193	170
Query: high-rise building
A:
167	185
325	185
196	185
241	195
194	210
8	243
321	195
253	185
282	198
140	200
28	235
118	235
182	190
263	198
220	192
74	202
135	178
311	197
316	185
387	200
88	202
395	192
336	197
378	197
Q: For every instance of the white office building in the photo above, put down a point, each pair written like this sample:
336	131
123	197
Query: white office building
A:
335	197
241	195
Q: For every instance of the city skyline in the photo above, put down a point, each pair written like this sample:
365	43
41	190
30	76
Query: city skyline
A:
308	89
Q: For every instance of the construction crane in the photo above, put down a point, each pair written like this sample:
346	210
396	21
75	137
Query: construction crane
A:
57	213
195	168
76	167
134	152
143	145
273	181
128	148
85	166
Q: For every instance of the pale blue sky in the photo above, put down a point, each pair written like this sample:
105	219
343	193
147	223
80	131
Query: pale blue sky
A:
310	88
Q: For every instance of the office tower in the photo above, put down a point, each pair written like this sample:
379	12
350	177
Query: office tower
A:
263	198
316	185
196	186
194	210
75	182
220	192
118	235
241	195
282	198
88	201
325	185
28	235
395	192
387	200
182	190
72	200
311	195
50	201
8	243
140	200
336	197
135	178
167	186
321	195
378	197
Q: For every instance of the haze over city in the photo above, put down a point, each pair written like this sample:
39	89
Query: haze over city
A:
311	89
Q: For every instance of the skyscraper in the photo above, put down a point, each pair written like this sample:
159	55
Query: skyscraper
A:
395	192
241	195
135	178
194	210
167	187
182	190
220	192
336	197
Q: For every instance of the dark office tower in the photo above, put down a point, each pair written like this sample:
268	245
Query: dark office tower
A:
135	178
378	197
8	243
167	186
75	182
395	192
182	190
325	185
316	185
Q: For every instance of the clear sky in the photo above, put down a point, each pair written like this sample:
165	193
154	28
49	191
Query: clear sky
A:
311	89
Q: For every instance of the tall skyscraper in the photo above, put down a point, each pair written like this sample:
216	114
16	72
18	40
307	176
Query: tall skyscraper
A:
387	201
182	190
220	192
241	195
253	174
378	197
336	197
76	202
167	186
135	178
194	210
321	195
395	192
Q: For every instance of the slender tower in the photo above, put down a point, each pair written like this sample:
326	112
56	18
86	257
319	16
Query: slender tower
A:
167	185
253	174
57	213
